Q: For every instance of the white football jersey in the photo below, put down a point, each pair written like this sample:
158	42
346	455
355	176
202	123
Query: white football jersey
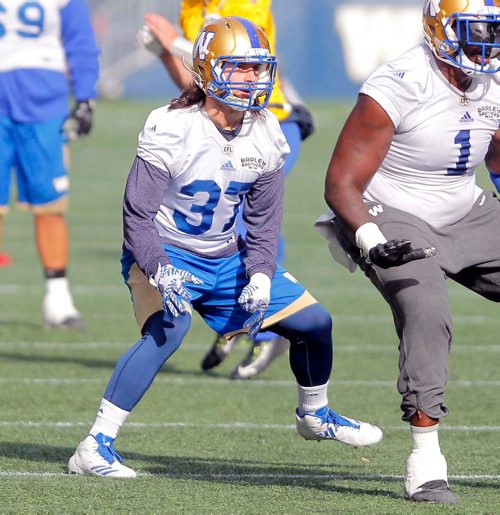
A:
208	174
31	35
441	137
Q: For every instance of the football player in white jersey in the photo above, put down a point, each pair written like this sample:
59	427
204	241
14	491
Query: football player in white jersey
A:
401	183
47	52
196	159
161	37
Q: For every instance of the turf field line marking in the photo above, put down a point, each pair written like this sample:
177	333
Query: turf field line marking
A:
190	347
29	424
358	320
278	476
222	381
81	289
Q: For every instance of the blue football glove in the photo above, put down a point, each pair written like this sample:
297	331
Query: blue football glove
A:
169	282
255	298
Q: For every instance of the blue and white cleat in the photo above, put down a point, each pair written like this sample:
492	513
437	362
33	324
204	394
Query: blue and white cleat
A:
325	424
96	456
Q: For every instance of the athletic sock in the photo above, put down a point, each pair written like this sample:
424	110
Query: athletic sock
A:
312	398
109	420
426	438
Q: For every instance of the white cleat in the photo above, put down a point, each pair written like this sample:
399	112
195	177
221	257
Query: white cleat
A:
325	424
58	308
260	357
96	456
426	478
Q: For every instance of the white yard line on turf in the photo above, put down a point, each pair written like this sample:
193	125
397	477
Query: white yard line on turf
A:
187	346
272	476
214	381
31	424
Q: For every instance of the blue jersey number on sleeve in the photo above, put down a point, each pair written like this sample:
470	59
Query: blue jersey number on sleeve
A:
462	139
31	15
207	209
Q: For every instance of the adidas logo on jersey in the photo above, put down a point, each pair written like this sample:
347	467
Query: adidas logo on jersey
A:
399	75
228	167
151	129
466	118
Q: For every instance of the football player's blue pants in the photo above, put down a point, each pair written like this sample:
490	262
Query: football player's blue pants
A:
291	131
311	352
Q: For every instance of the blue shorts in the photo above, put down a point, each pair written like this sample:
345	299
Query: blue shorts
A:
216	300
35	151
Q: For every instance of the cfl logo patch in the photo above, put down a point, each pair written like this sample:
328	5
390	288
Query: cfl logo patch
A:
202	44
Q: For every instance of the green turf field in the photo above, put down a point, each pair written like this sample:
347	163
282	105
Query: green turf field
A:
202	443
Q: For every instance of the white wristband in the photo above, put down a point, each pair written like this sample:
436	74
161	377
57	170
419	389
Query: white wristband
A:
261	280
368	236
183	48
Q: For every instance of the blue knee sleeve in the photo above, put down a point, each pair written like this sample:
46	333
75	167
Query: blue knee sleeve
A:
311	345
137	368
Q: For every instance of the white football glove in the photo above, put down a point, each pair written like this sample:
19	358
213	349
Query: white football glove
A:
255	298
169	282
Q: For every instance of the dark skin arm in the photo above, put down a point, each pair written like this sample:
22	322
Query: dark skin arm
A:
361	148
492	158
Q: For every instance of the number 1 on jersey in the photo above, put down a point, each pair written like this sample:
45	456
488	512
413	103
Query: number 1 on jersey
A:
462	139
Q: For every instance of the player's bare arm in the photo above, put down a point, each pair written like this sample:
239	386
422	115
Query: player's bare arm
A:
492	158
361	148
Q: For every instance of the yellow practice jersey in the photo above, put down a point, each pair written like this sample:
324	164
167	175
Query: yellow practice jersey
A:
192	19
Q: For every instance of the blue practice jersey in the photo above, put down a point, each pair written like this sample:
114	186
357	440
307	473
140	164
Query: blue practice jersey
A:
47	51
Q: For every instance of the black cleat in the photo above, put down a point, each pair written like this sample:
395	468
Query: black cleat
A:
436	491
218	352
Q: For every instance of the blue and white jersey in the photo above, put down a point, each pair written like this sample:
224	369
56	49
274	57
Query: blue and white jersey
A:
441	137
208	175
42	42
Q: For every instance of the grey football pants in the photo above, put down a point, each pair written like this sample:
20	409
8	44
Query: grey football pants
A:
467	252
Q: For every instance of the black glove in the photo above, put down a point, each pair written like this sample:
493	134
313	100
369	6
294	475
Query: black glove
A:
397	252
79	121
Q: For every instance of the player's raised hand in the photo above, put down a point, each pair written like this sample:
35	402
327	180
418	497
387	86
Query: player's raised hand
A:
397	252
169	282
255	298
